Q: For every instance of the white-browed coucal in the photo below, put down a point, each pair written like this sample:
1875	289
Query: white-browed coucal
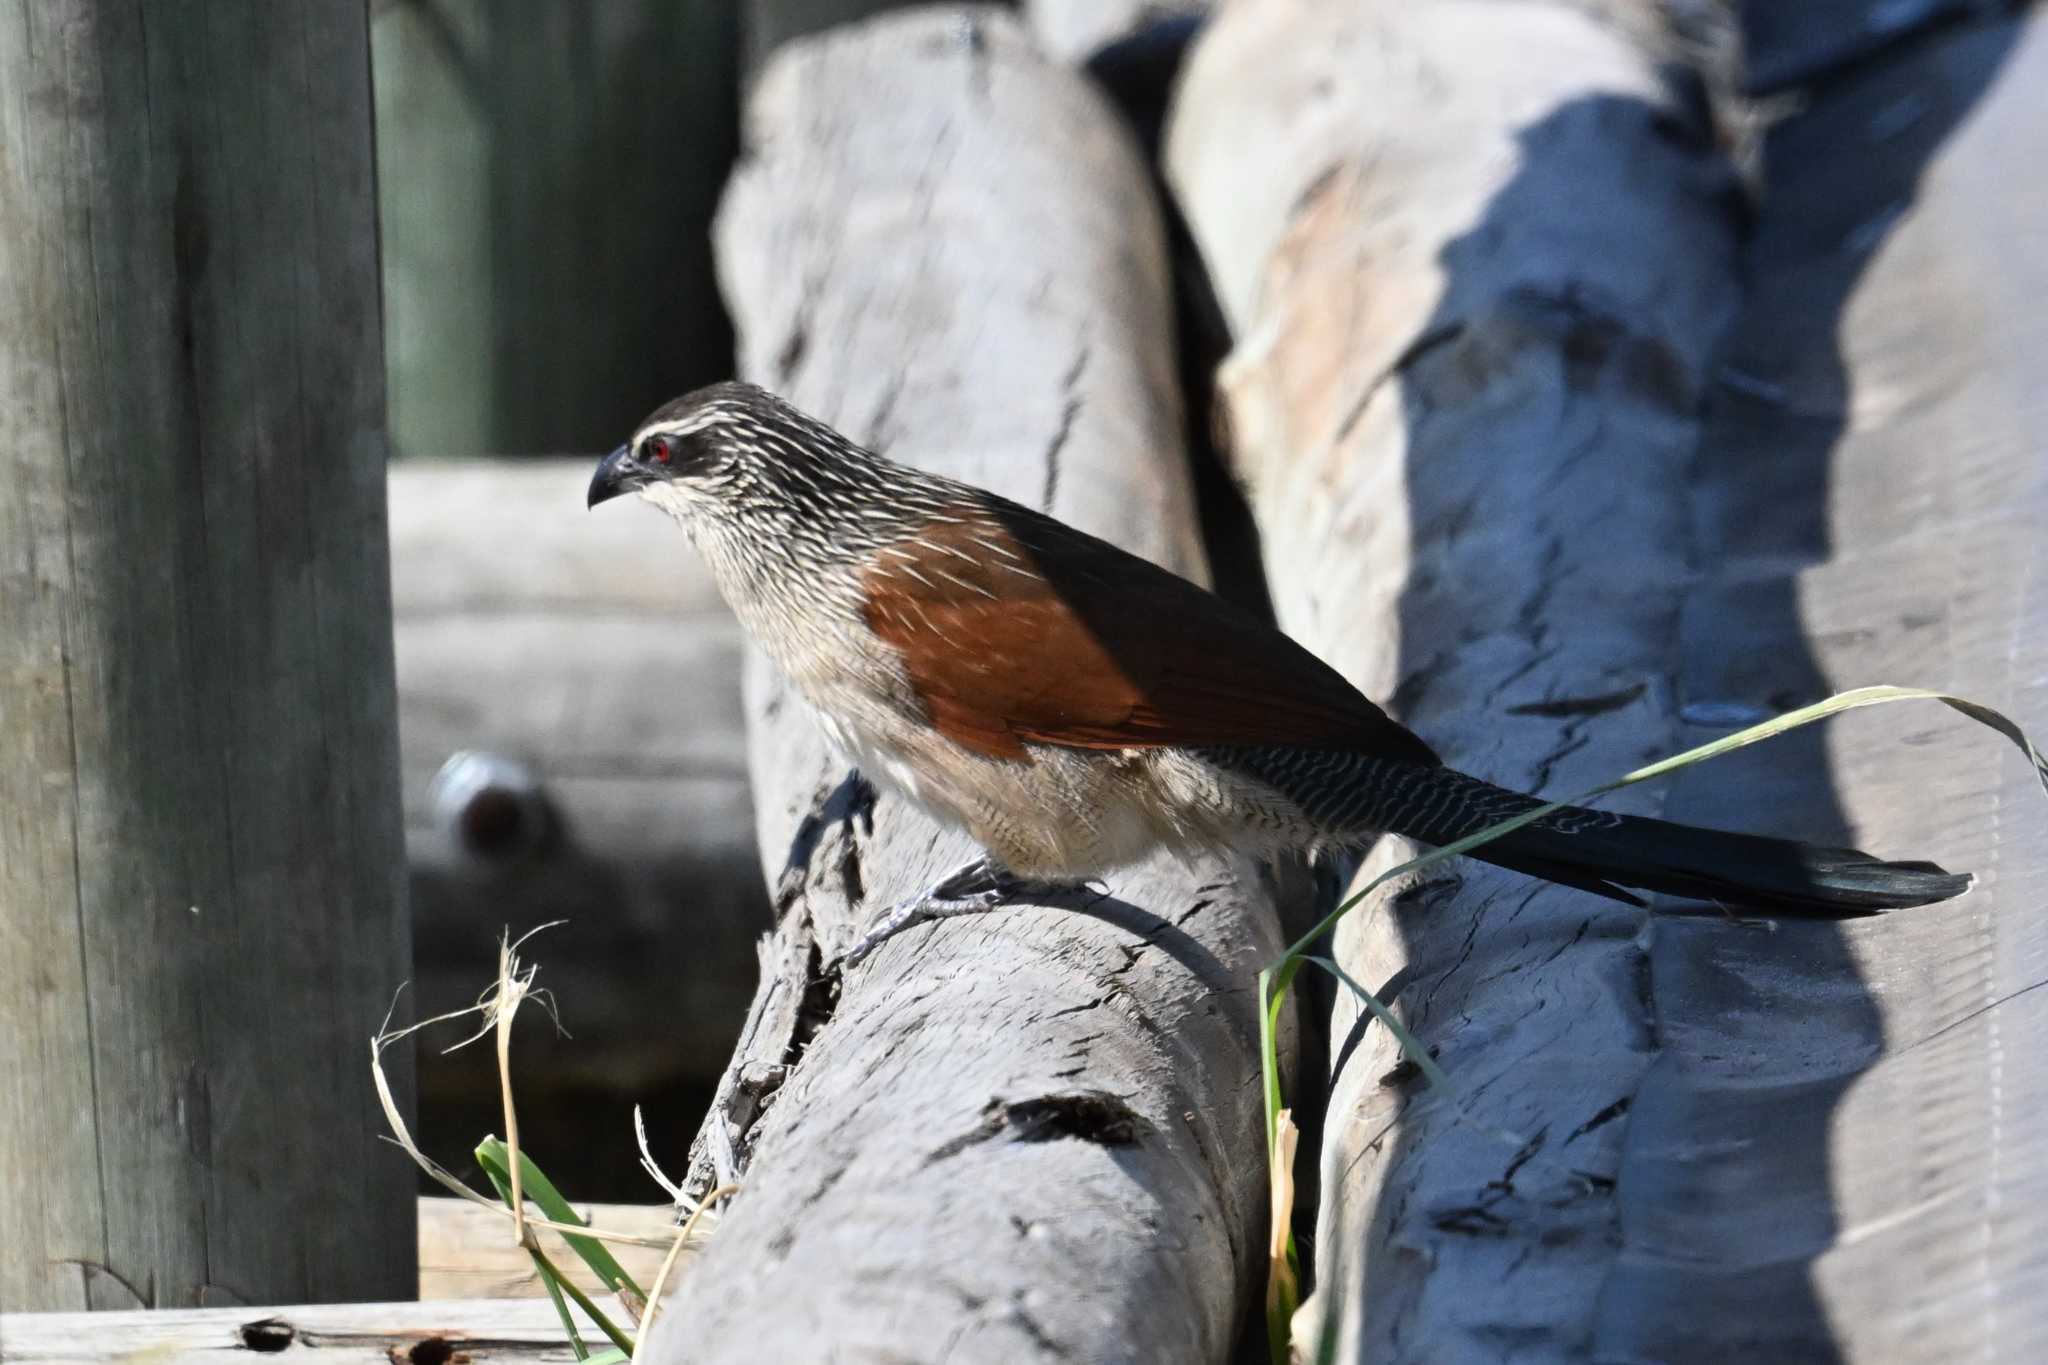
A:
1073	707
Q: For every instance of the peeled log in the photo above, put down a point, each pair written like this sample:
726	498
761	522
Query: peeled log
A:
1840	1150
1032	1135
1476	258
1681	1139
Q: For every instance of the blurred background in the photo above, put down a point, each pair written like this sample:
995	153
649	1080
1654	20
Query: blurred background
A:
546	179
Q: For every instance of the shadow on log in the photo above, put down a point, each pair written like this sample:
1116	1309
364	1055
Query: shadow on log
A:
1531	499
1868	498
1031	1135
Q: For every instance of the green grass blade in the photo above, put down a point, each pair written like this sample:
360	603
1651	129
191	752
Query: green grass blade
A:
492	1156
1275	980
1411	1046
546	1272
552	1273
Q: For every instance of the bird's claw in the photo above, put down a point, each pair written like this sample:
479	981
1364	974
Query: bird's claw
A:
969	891
909	914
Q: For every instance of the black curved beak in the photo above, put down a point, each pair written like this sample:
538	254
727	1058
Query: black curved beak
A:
617	473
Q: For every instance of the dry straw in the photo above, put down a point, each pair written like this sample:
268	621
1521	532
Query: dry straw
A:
519	1181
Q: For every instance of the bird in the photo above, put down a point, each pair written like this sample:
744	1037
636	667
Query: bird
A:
1074	707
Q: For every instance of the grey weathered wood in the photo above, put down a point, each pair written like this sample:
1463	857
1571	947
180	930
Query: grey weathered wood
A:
467	1251
1476	268
1032	1135
478	1331
1817	1141
200	857
1872	493
594	651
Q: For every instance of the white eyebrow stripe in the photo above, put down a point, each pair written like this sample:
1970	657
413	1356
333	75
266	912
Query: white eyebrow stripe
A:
681	426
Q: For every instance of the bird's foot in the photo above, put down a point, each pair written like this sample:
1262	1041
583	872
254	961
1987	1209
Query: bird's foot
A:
973	889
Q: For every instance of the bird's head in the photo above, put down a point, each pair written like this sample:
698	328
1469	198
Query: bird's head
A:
724	449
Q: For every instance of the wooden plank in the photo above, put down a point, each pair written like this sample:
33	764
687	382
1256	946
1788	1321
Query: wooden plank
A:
474	1331
1477	257
480	1301
945	245
200	856
487	535
467	1252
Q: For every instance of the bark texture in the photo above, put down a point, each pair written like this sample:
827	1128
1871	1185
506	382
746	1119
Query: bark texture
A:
200	853
1032	1135
1519	477
1475	290
1838	1152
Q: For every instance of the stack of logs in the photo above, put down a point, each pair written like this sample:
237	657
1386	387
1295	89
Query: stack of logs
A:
1532	465
1584	416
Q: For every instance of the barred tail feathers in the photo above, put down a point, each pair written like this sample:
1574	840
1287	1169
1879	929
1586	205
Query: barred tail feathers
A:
1352	796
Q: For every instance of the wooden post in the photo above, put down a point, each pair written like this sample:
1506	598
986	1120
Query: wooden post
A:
201	873
1033	1135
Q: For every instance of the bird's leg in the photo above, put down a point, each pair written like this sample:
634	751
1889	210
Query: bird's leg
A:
969	889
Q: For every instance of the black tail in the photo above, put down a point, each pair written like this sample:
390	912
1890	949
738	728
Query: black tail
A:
1603	852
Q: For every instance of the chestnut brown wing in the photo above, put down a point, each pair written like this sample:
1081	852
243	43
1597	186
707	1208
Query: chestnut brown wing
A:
1014	627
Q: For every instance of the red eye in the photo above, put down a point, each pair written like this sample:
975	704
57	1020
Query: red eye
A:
659	449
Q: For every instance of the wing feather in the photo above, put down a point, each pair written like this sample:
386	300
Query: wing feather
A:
1015	628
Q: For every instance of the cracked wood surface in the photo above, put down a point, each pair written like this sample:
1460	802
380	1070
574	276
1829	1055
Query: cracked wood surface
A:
1035	1134
202	899
1870	498
1475	291
1475	350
